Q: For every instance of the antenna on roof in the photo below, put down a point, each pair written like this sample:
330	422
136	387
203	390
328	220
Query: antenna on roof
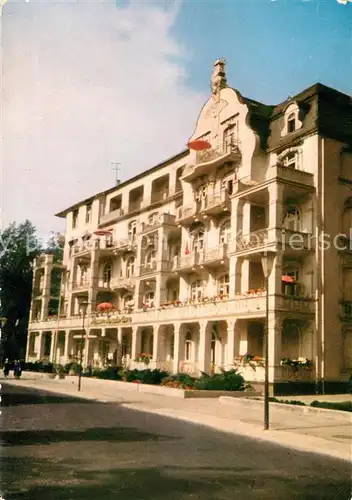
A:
117	170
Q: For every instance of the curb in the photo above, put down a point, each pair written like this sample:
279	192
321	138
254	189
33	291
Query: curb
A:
337	415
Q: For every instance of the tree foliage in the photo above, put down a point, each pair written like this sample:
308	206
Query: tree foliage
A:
19	246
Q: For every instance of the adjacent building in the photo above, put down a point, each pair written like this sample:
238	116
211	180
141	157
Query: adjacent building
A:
168	269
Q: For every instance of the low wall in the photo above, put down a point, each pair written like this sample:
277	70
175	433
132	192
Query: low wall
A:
114	386
342	416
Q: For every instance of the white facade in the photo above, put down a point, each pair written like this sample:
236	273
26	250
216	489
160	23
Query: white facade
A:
178	253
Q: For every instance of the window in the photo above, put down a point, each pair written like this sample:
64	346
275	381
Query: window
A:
201	194
88	213
107	273
229	137
153	218
197	290
227	185
149	299
225	232
188	347
290	160
213	349
292	219
130	267
132	230
224	285
128	301
198	240
74	219
84	274
150	260
291	123
293	287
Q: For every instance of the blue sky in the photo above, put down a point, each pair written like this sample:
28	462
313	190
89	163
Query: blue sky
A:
88	83
273	48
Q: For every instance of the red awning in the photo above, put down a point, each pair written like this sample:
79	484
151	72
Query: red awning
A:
287	279
105	306
199	145
102	232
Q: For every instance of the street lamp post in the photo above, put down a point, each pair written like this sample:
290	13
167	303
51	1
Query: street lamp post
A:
267	265
83	307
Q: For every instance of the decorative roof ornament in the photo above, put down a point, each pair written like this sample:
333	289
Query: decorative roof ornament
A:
218	78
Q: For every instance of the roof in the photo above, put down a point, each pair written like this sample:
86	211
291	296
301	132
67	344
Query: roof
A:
173	158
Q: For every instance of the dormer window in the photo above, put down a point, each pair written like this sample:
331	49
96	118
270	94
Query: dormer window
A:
291	123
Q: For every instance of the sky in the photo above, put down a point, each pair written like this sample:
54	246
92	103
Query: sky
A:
87	83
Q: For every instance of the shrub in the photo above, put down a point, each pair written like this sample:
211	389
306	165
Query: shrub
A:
147	376
72	367
287	401
226	381
179	381
339	405
110	373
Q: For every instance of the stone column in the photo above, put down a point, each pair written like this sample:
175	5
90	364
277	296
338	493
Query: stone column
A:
245	276
232	344
29	336
52	346
40	345
119	345
67	345
275	210
136	342
275	324
178	347
204	357
93	285
160	290
157	343
275	281
87	345
235	275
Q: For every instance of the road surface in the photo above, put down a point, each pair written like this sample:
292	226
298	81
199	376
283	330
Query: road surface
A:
60	448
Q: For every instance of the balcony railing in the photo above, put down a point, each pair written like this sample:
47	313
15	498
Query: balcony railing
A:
185	262
249	241
214	254
123	283
111	216
187	212
209	155
217	200
290	174
148	268
162	219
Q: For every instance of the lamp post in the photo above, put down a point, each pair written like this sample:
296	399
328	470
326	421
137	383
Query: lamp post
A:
83	307
267	264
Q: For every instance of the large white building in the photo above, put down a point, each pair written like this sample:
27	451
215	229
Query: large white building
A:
178	250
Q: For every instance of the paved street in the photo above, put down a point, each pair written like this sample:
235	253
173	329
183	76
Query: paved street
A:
64	448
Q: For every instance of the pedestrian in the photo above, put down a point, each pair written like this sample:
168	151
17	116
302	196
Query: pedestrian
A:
6	368
17	371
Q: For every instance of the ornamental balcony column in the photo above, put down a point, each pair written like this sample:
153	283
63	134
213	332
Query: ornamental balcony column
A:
275	325
53	346
157	343
232	345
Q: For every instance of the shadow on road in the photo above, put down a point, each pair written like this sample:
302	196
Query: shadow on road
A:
167	482
123	434
37	398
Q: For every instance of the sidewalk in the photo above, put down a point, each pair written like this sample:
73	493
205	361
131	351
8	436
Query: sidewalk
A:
319	433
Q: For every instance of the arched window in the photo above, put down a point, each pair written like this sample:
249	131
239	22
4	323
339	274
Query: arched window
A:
188	347
107	273
84	274
291	122
224	285
197	290
347	218
130	267
198	239
290	160
292	219
225	232
132	230
153	218
150	260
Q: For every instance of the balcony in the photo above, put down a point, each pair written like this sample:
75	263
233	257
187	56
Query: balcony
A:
208	160
186	263
124	245
161	220
300	305
187	214
220	309
86	247
75	321
123	283
249	242
148	268
111	216
287	174
214	256
217	203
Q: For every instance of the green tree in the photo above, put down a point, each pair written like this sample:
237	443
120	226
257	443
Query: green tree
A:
19	246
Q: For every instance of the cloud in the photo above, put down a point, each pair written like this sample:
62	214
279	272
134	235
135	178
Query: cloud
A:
85	84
